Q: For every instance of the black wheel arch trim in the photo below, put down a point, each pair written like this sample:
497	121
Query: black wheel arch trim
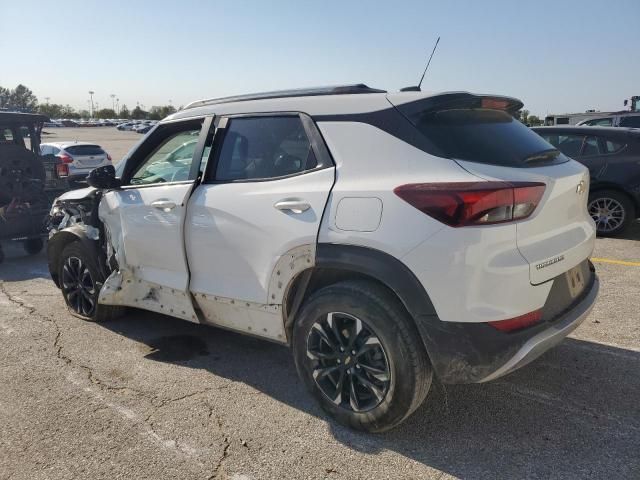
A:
381	266
57	243
459	352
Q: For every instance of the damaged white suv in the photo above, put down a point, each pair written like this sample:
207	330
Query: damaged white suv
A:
385	237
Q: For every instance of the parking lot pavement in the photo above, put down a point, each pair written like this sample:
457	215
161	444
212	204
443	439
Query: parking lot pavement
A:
149	396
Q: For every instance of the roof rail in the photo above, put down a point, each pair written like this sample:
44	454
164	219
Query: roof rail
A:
300	92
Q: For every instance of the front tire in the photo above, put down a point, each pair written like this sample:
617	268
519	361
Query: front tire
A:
612	211
80	282
361	356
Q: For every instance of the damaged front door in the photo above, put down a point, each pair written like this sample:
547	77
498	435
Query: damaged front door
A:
144	223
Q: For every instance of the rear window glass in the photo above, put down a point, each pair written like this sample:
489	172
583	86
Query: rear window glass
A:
486	136
85	150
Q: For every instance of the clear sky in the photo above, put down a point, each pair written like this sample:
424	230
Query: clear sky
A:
556	56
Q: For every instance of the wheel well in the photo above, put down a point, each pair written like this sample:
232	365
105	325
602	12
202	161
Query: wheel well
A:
55	246
319	278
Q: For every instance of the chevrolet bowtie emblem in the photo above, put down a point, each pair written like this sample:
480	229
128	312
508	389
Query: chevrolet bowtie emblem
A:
580	189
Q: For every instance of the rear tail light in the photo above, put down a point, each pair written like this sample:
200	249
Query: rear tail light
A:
62	170
65	158
473	203
518	323
108	157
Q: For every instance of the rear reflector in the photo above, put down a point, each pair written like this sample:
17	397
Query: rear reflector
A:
518	323
473	203
62	170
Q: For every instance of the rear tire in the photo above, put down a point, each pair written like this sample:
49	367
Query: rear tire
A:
612	211
359	353
33	246
80	282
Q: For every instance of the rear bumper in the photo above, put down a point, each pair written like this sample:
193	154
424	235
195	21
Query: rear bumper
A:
546	339
476	352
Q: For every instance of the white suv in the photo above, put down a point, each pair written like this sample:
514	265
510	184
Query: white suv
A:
386	237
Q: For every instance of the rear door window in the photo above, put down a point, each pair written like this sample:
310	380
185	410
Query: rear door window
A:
485	136
590	147
613	146
85	150
570	145
264	147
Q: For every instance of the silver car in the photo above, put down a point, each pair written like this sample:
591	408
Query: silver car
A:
80	157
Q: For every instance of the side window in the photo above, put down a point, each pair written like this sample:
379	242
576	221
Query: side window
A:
590	147
570	145
631	121
45	150
170	161
613	147
264	147
55	150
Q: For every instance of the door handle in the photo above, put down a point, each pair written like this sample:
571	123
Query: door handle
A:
293	206
164	205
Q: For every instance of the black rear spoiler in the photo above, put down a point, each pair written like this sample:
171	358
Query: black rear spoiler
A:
459	100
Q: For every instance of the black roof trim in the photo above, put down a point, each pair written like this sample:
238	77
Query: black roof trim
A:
300	92
19	117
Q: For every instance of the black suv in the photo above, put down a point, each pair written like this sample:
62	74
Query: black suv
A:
28	181
613	158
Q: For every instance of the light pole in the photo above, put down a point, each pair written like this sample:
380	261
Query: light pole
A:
113	101
118	107
47	99
91	92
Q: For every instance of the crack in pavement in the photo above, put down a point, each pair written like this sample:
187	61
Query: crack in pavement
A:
147	424
227	444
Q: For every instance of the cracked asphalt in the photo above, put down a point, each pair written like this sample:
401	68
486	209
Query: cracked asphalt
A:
149	396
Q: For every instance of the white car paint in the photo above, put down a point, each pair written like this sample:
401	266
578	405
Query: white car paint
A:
237	230
235	241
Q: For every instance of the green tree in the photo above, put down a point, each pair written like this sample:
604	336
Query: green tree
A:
5	93
160	112
534	120
69	112
106	113
22	98
19	98
124	112
138	113
52	110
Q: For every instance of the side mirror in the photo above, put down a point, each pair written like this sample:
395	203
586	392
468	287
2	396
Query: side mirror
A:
103	177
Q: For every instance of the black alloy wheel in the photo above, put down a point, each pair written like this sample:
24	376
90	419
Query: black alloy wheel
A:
78	286
349	363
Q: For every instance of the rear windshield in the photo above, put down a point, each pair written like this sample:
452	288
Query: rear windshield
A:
486	136
85	150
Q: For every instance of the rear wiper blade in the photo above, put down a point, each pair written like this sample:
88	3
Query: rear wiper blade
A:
543	156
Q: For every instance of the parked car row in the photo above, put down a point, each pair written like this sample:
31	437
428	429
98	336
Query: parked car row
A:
59	123
139	126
